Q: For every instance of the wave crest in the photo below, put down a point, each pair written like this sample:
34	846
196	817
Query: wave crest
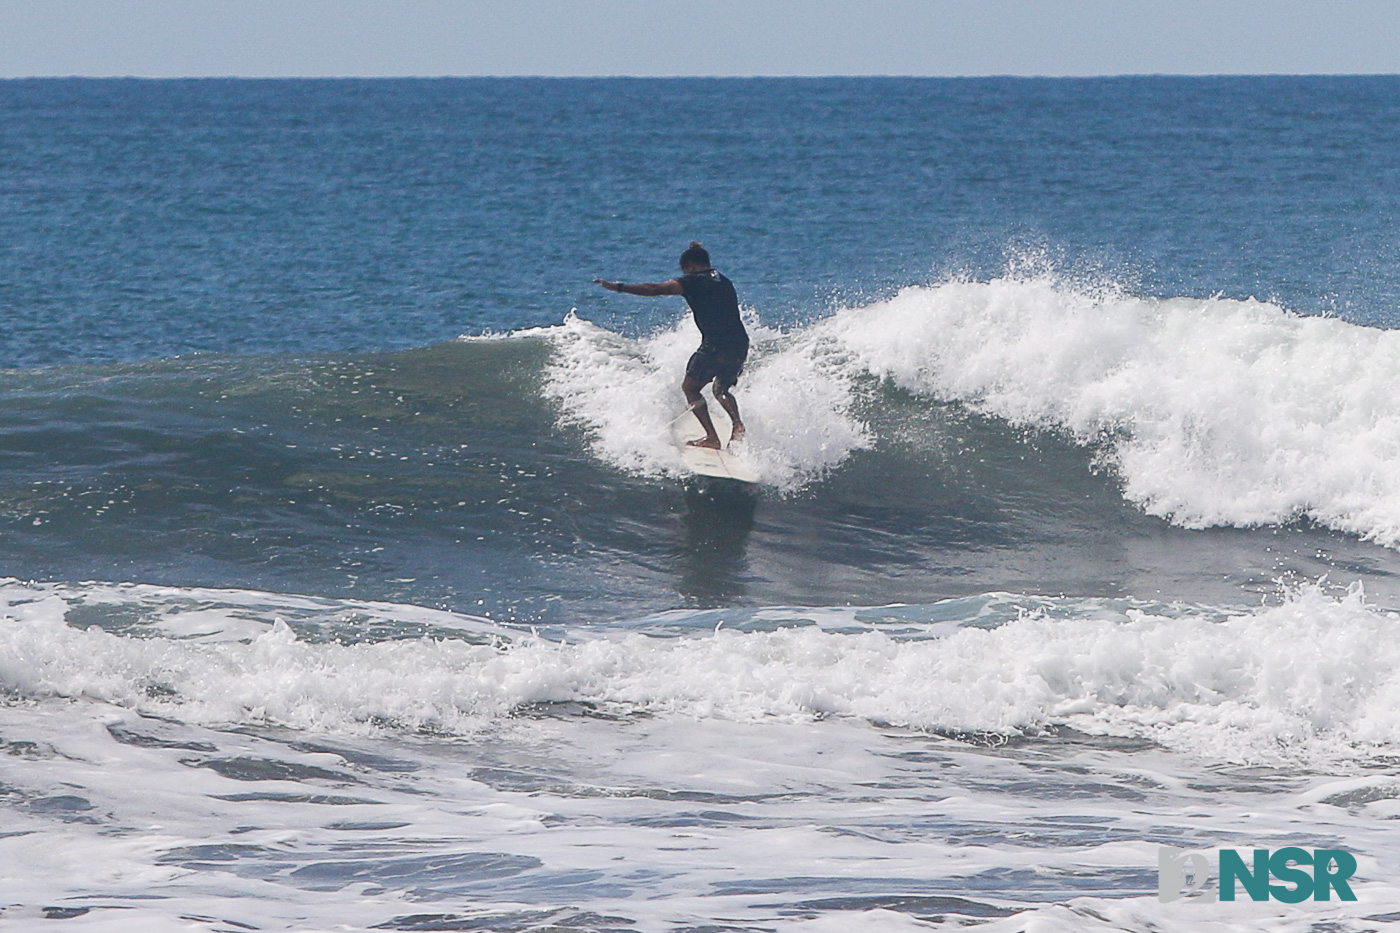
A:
1211	411
1312	678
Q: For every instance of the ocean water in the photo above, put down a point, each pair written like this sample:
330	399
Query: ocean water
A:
348	579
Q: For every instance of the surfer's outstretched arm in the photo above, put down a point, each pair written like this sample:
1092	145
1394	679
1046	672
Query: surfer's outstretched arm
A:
648	289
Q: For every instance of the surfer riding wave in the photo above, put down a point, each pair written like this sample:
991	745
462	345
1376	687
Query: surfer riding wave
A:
724	343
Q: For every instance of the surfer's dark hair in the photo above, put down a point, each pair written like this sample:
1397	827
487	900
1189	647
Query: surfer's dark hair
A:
697	255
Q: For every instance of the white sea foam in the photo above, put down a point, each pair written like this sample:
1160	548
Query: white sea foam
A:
141	786
1315	677
625	393
655	823
1212	411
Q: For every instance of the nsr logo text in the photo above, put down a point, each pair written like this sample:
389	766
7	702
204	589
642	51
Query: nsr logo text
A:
1330	870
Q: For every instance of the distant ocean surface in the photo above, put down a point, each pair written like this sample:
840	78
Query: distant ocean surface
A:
349	580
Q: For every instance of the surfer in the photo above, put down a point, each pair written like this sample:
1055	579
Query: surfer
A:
724	344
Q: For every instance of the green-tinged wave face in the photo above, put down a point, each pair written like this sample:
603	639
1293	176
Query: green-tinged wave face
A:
501	476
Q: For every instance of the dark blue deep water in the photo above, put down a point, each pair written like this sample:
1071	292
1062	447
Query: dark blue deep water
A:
145	219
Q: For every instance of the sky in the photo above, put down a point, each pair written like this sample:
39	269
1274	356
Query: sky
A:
276	38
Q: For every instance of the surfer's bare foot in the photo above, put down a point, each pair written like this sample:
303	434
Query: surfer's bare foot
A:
710	443
737	434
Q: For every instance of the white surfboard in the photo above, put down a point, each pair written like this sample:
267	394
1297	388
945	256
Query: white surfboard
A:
706	461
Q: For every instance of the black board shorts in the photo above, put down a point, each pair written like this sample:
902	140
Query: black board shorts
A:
719	363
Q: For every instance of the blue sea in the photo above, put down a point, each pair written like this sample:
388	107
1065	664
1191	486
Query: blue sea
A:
349	579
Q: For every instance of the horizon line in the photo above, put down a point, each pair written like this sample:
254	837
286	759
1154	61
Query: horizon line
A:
704	77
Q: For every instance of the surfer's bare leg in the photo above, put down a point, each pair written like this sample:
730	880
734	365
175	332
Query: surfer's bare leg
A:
691	388
731	408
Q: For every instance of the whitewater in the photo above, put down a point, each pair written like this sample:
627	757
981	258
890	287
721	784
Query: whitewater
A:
1233	685
225	764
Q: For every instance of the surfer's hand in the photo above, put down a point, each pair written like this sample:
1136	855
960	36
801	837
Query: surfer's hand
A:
610	286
